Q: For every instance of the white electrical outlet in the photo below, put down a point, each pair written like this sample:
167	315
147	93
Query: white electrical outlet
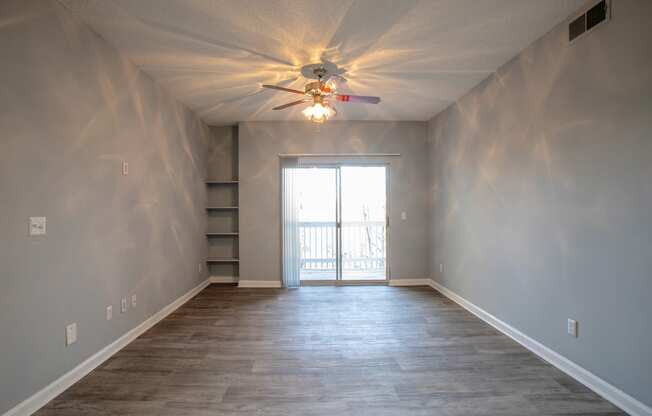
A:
404	215
441	267
123	305
200	267
37	225
572	328
125	168
71	334
133	301
109	312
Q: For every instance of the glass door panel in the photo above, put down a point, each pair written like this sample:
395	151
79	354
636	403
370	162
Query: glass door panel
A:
363	222
316	193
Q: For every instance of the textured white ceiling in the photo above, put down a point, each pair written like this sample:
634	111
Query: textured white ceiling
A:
418	55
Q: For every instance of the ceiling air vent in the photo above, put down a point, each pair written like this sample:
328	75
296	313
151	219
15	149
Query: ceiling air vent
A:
588	20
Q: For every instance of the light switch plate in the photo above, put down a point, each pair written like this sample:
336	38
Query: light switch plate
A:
37	225
71	334
109	312
572	328
134	300
404	215
125	168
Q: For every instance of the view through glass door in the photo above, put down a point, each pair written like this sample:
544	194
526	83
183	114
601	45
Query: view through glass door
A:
316	193
342	230
363	215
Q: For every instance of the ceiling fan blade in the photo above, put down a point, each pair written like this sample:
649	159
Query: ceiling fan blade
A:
281	107
357	99
276	87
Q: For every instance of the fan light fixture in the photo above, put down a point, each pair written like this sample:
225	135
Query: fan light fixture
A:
318	113
321	92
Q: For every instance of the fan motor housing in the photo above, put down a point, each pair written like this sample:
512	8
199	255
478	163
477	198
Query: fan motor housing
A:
314	88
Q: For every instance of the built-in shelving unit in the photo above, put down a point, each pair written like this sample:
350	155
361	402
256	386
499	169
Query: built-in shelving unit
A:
222	210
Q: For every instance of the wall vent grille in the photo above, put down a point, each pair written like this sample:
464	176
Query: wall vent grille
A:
588	20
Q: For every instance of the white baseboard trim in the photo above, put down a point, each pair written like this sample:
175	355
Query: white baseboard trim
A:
259	283
58	386
611	393
222	279
409	282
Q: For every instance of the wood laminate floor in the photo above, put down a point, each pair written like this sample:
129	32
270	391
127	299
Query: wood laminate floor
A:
353	350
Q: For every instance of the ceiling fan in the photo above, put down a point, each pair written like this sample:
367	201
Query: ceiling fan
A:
321	92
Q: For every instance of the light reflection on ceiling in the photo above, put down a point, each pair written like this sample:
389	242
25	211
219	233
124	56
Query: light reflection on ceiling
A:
418	55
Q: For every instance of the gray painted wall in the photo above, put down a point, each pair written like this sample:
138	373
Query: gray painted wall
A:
541	196
222	153
71	108
259	146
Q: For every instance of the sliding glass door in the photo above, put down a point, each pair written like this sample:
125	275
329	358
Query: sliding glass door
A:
363	220
334	224
317	208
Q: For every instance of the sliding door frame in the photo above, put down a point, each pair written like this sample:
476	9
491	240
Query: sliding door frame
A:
339	281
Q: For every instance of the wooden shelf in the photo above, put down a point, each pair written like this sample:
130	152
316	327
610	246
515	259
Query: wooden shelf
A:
222	182
221	234
222	260
222	208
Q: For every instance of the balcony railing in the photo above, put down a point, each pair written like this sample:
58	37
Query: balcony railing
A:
363	247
